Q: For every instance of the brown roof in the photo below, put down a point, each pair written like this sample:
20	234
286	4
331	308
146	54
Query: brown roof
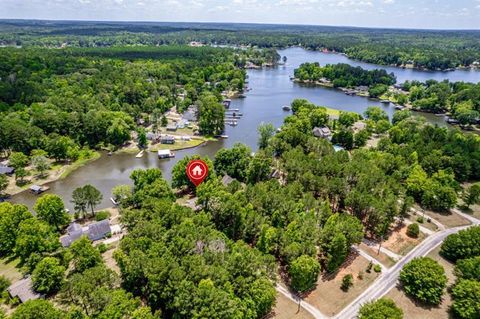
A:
23	289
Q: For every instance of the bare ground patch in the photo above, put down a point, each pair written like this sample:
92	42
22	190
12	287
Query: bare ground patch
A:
329	298
110	262
448	219
287	309
400	243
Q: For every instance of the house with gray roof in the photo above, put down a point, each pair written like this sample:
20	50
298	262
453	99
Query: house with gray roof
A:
99	230
23	290
94	231
7	170
323	132
74	232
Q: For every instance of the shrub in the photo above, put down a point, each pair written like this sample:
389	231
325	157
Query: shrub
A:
377	268
369	267
420	220
102	215
413	230
304	272
462	245
382	308
424	279
102	248
4	284
466	299
347	282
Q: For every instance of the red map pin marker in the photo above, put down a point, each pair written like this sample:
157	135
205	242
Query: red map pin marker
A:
197	171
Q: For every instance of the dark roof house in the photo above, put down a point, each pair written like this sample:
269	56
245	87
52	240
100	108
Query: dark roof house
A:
99	230
7	170
167	139
74	232
23	290
94	231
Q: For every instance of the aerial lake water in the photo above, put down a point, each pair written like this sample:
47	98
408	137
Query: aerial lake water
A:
270	90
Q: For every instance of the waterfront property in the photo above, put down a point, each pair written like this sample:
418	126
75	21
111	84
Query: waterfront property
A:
23	290
167	139
94	231
322	132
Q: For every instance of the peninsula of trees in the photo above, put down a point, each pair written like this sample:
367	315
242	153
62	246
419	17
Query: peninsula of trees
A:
343	75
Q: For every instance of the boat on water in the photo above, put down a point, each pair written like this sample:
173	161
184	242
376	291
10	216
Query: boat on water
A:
287	108
440	114
223	136
38	189
114	202
163	154
139	155
242	96
452	121
398	107
385	101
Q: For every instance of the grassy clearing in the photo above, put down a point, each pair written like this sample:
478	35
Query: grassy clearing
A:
426	223
57	171
287	309
448	219
79	163
417	311
400	243
9	269
177	146
329	298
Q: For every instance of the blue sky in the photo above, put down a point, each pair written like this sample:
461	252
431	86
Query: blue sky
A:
438	14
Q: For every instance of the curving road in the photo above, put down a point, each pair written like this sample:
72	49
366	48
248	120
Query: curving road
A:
389	279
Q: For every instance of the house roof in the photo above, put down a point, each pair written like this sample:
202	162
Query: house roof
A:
23	289
226	180
99	229
6	170
74	232
321	131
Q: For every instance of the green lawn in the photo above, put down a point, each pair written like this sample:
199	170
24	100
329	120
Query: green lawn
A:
9	269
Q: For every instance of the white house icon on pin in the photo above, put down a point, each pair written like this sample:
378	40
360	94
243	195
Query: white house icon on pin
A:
197	171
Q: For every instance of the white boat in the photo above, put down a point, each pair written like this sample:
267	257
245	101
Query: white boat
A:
113	201
139	154
162	154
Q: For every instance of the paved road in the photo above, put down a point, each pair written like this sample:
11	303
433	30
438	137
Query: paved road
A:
389	279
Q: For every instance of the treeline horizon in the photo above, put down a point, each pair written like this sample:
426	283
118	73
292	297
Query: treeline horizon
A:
423	49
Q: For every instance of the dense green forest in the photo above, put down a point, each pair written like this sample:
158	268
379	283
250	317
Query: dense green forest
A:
68	99
461	99
221	261
418	48
343	75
